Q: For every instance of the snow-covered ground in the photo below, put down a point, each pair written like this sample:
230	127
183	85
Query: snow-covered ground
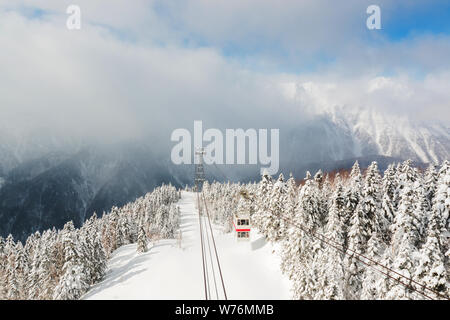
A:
166	271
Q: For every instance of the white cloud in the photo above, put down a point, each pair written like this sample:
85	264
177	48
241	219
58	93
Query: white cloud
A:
92	83
98	82
425	99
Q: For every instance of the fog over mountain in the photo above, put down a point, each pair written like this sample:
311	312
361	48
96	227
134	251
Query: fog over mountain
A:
48	188
87	115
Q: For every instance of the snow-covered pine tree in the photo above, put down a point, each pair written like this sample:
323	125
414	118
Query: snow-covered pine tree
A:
11	290
291	198
48	274
113	229
403	246
308	210
262	205
100	260
421	212
389	207
21	271
371	280
364	222
124	229
13	285
142	240
353	191
371	198
273	224
3	261
298	263
33	278
431	270
331	260
441	203
74	282
33	246
326	193
322	195
358	235
441	212
96	252
430	184
410	188
303	248
384	283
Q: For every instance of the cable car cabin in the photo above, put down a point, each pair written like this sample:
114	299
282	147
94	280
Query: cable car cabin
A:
241	223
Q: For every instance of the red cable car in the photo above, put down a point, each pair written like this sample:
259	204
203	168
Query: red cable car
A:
241	224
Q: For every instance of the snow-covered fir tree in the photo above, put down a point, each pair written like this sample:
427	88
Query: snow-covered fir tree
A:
404	242
431	270
309	208
262	202
389	207
353	193
273	220
291	198
74	281
142	240
332	260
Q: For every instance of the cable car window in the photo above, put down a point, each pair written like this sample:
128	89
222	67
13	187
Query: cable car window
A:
243	222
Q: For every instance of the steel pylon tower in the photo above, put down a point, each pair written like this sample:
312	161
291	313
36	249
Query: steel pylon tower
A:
199	169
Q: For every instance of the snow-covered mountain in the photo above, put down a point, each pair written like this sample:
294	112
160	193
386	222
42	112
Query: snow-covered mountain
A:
343	133
394	136
46	181
49	191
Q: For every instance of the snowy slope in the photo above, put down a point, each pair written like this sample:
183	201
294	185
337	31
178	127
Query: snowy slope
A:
166	271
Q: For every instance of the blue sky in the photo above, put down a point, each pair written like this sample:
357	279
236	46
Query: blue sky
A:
432	18
269	36
271	47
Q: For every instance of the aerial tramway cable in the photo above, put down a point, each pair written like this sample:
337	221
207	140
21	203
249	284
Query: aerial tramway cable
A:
212	263
201	242
205	234
215	248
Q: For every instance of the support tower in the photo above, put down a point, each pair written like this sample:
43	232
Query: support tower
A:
199	169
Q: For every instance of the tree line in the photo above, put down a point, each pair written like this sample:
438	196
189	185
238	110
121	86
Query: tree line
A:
399	219
64	264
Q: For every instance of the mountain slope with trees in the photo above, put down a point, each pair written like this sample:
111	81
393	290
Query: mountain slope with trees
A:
338	235
64	264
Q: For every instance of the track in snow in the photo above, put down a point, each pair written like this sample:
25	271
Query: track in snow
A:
166	271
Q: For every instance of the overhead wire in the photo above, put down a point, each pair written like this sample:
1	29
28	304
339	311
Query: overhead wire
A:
202	246
215	247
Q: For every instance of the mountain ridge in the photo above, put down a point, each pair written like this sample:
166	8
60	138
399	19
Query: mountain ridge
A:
70	182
